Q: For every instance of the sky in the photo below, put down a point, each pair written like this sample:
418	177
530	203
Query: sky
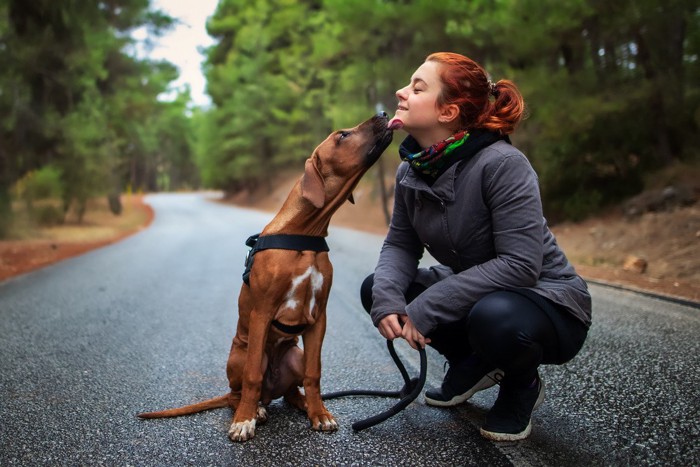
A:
181	44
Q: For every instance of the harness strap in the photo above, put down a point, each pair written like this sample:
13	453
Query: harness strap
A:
290	242
280	242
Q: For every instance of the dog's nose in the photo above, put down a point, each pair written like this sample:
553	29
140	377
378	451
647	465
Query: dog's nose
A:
382	114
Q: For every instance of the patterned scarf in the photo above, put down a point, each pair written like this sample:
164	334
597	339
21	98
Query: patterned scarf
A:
429	161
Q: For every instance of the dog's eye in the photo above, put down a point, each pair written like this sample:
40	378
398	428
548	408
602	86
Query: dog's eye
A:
342	135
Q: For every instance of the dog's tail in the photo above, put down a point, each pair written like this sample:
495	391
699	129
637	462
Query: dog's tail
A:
215	403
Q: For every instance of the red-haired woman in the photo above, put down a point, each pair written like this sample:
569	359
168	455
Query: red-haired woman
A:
504	299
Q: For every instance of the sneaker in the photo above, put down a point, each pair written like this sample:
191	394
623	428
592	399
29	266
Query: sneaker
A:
509	418
462	382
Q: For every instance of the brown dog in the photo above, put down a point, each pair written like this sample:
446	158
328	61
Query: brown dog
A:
288	290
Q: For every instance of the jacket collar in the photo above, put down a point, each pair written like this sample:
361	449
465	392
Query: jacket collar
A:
443	188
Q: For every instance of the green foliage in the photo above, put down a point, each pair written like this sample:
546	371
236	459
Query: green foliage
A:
41	184
38	189
72	98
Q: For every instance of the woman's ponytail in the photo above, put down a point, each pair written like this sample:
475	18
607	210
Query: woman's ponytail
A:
504	112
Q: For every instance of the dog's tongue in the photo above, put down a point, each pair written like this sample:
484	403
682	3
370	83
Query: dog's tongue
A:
395	124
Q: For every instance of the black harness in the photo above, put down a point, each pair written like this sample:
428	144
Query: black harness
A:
281	242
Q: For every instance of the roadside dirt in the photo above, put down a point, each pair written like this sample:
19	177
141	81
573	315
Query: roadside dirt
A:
668	241
50	245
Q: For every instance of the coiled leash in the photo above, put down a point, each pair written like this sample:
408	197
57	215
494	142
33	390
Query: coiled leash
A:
411	389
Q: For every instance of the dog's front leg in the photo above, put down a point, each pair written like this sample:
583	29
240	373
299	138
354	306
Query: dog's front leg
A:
244	420
320	418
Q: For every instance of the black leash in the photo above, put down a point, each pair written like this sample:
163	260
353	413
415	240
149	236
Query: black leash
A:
410	391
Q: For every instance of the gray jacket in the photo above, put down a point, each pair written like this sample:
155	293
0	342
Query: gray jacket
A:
482	221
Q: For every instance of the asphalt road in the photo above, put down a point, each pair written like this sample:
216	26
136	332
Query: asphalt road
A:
147	324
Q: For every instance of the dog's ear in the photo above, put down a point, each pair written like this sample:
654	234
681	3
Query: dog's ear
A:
312	185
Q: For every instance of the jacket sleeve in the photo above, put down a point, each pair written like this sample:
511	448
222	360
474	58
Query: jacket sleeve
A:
398	260
511	192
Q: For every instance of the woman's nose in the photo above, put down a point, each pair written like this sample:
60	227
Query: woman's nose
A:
401	93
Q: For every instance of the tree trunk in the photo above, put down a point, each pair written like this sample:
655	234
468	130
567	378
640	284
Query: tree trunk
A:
5	210
657	106
383	192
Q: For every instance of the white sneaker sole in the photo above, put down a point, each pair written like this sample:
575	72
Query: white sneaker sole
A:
507	436
484	383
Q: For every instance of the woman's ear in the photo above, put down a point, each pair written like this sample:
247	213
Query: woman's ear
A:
448	113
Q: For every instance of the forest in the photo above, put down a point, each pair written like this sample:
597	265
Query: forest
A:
611	89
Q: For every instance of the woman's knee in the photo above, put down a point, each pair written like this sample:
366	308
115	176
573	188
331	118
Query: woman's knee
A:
511	330
495	311
366	293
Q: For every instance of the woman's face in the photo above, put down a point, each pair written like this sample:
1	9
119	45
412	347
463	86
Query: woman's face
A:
418	109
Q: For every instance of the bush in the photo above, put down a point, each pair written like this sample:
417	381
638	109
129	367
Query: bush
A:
44	183
40	190
47	215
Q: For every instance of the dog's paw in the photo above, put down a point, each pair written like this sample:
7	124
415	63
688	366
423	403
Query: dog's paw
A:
261	416
242	431
324	422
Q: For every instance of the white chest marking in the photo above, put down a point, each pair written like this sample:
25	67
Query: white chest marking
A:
315	284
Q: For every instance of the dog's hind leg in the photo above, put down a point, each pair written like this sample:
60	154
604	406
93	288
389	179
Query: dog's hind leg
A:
284	372
292	364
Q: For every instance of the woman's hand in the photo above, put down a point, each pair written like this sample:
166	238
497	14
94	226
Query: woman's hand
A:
397	325
413	336
390	326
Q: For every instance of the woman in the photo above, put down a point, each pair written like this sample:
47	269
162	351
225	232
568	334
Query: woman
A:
504	299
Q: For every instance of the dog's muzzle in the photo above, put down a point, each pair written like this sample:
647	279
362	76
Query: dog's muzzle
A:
383	136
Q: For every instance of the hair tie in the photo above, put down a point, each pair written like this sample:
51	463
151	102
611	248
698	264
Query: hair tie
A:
492	88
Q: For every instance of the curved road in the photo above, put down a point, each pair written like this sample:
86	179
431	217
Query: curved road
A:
147	324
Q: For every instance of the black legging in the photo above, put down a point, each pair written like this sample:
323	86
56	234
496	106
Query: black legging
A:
515	331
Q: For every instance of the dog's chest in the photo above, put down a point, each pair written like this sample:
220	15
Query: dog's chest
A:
300	303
